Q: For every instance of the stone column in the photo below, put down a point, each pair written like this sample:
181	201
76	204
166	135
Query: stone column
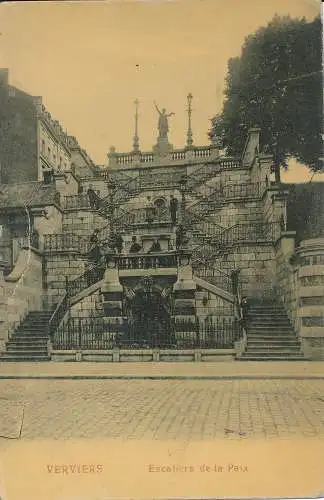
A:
310	287
184	302
112	297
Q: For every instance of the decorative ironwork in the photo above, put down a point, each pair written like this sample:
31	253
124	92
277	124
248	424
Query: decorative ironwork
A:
95	334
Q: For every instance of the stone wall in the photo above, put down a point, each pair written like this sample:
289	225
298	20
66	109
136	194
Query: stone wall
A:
287	276
209	304
58	267
257	265
89	307
20	293
50	224
239	212
82	221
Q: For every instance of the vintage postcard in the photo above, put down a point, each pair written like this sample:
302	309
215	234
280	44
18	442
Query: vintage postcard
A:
161	249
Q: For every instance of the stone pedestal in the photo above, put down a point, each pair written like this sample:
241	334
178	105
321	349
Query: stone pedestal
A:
112	296
184	303
162	147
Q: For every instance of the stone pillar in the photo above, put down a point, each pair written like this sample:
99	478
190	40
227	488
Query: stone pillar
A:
310	287
112	297
275	205
112	157
184	302
252	146
279	202
65	183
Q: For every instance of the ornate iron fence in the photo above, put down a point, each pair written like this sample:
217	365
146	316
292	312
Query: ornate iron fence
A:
95	334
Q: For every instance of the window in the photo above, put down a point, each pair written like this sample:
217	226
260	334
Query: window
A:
1	231
43	147
54	158
49	152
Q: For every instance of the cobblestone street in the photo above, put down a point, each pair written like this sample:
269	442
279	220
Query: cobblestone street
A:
162	409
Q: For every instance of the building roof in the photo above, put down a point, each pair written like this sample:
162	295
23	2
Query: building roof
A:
30	194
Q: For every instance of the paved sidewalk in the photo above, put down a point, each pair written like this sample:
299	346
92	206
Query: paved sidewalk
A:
185	410
215	370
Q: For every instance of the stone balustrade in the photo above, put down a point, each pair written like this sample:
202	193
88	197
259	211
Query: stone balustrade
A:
147	261
192	155
65	242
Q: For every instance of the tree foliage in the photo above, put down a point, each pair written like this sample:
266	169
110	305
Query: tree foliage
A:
276	83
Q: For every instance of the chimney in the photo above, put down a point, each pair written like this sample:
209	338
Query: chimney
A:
4	77
38	102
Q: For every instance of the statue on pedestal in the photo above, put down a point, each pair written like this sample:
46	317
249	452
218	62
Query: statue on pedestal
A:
163	125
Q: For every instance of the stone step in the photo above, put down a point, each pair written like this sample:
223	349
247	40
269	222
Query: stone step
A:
27	338
27	347
268	328
271	341
29	352
272	324
268	357
274	349
268	310
26	343
14	358
39	314
265	352
25	328
271	338
268	317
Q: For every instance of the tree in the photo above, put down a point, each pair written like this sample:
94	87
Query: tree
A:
276	83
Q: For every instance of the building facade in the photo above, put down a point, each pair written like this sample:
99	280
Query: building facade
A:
32	143
169	254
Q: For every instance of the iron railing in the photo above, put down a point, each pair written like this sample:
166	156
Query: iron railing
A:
124	219
263	231
95	334
76	201
214	276
88	278
58	315
66	242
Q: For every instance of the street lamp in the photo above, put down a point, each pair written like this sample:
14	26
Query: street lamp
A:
111	186
182	189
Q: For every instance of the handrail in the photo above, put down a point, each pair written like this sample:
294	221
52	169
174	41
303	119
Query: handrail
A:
91	276
58	314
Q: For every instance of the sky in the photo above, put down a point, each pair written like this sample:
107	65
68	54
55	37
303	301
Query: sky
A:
91	60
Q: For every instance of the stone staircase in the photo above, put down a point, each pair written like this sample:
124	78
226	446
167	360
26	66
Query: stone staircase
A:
29	341
270	335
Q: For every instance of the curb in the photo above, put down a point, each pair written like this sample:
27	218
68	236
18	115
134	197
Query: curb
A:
162	377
